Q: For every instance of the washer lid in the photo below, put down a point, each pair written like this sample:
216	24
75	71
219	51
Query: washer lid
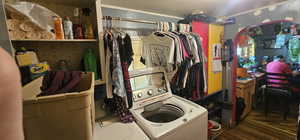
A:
120	131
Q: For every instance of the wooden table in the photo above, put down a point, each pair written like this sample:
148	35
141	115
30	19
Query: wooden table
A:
246	89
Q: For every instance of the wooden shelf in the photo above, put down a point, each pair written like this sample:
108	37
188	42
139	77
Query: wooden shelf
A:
60	41
75	3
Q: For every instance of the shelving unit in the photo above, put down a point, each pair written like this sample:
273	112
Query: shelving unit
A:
52	51
58	41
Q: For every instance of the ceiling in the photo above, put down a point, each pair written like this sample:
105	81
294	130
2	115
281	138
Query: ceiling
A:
181	8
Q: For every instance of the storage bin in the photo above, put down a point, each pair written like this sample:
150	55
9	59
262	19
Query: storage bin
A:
67	116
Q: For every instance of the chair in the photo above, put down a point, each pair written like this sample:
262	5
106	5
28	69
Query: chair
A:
278	85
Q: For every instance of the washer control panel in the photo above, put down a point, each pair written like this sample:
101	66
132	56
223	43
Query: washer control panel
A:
149	92
148	86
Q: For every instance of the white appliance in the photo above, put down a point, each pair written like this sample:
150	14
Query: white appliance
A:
119	131
162	115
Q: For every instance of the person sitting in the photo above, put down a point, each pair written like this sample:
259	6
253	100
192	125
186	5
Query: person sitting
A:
278	66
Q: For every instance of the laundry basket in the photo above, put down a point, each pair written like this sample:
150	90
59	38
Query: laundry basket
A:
67	116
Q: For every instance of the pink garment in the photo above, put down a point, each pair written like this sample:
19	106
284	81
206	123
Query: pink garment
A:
278	67
185	54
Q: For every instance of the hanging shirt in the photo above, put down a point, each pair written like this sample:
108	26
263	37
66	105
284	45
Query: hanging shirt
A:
172	55
187	46
203	59
117	73
178	56
194	48
156	51
126	53
108	59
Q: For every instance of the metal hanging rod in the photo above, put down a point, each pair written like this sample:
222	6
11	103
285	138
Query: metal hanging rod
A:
131	20
144	22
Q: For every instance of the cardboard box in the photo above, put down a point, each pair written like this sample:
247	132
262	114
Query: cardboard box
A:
67	116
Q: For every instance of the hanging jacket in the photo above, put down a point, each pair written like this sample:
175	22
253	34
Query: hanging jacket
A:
108	59
117	72
126	53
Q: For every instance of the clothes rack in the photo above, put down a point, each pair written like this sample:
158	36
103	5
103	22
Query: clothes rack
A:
130	20
161	25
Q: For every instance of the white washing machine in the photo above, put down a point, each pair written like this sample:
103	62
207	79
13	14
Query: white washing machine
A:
119	131
162	115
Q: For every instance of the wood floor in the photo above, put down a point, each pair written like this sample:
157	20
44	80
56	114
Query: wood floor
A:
257	127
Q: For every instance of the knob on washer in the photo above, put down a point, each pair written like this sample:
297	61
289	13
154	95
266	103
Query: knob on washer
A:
150	92
139	95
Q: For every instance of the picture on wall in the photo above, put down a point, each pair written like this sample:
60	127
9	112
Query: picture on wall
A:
217	61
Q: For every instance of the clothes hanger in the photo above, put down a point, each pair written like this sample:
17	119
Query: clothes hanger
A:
110	25
123	34
159	31
170	26
105	24
174	29
167	26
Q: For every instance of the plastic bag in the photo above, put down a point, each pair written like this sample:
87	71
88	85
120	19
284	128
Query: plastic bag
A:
39	15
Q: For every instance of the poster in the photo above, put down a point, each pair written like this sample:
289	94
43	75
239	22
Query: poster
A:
217	59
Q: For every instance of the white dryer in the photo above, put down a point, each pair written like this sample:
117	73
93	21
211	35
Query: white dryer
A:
162	115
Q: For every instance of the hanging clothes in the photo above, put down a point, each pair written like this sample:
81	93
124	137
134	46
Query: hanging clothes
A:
195	86
182	56
118	106
203	59
119	54
108	59
126	54
117	72
157	50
